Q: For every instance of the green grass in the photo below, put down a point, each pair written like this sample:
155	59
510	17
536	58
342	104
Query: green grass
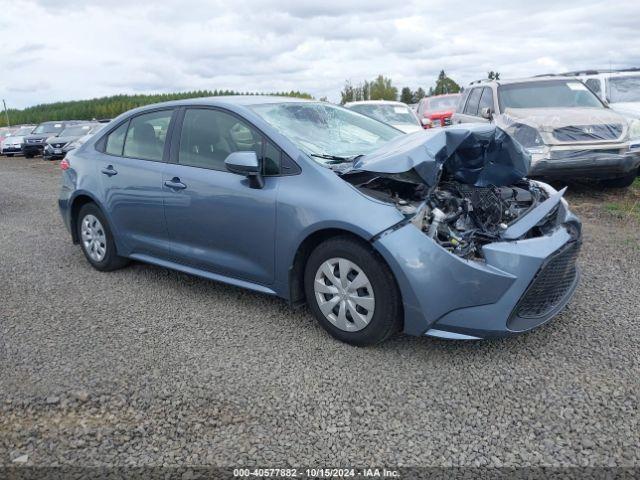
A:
628	205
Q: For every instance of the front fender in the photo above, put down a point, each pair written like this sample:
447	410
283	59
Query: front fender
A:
433	281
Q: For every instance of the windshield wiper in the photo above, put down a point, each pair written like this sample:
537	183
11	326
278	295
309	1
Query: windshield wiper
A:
335	158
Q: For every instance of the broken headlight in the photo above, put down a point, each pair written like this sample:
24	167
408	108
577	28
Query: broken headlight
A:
528	137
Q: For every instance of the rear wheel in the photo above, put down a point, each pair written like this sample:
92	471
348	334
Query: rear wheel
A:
352	292
28	155
621	182
96	239
9	154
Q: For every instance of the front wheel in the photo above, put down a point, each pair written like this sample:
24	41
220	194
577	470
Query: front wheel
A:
352	293
96	240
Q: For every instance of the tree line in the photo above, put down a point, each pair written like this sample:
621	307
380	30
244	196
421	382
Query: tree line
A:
382	88
110	107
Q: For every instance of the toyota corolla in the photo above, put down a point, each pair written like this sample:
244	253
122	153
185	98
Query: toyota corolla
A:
434	233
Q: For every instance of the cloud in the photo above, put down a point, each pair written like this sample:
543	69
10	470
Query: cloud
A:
118	46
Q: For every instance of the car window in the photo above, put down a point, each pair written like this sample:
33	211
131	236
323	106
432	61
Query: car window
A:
387	113
623	89
486	100
49	128
594	84
322	130
547	94
146	135
209	136
471	108
444	102
115	140
462	101
271	159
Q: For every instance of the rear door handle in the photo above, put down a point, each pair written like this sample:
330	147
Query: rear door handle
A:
109	171
175	184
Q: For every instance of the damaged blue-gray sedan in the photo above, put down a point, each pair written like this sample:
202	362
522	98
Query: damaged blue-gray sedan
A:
433	233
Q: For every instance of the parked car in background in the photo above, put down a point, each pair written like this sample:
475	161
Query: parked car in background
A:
566	128
619	88
436	233
79	141
57	147
12	145
396	114
6	131
436	111
34	143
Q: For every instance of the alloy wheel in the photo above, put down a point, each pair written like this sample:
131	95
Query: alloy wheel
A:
94	238
344	294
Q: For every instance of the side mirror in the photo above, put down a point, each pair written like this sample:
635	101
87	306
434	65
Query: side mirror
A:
247	164
486	113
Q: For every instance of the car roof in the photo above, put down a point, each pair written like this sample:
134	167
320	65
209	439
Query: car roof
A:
443	95
222	101
541	78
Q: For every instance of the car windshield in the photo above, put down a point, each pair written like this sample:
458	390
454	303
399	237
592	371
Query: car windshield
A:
547	94
387	113
443	103
324	130
623	89
22	131
76	131
49	128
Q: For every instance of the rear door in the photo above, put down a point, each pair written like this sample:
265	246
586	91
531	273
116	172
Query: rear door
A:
130	165
216	222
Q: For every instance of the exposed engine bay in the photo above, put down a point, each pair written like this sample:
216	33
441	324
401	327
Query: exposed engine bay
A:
459	217
463	186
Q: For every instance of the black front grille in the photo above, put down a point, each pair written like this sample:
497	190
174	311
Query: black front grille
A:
581	133
548	290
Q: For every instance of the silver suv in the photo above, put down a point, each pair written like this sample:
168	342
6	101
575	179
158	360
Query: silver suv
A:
567	129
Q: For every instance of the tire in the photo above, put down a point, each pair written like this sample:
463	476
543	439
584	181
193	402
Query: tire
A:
347	320
621	182
9	154
96	240
28	155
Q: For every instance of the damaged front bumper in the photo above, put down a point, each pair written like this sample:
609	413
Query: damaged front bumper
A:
520	285
604	162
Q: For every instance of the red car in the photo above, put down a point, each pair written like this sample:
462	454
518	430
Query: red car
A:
436	111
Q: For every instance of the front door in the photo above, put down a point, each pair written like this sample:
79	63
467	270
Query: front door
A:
215	221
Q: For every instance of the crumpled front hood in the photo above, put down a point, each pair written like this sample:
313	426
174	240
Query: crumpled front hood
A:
475	154
548	119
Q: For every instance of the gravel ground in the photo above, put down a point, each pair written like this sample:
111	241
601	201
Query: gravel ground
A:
146	366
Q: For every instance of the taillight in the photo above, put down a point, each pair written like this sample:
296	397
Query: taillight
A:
64	164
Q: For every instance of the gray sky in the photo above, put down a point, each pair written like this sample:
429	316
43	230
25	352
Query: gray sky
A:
75	49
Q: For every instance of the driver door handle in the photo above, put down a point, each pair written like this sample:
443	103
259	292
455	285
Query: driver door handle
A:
175	184
109	171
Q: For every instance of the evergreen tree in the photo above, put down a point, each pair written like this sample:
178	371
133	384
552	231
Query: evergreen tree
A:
406	95
445	85
418	95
